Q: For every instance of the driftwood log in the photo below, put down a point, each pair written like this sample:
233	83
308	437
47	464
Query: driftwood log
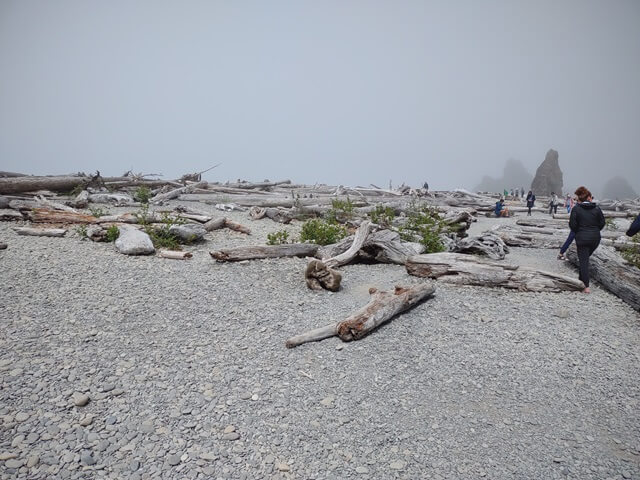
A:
275	214
382	307
175	255
614	273
488	244
9	215
461	269
161	197
40	232
218	223
43	215
265	251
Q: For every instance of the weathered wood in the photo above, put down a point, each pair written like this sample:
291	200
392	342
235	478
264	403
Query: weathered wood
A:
265	251
175	255
63	183
542	222
318	276
215	224
609	269
460	269
42	215
11	174
606	213
50	204
488	244
382	307
40	232
257	185
347	256
231	225
275	214
10	215
162	197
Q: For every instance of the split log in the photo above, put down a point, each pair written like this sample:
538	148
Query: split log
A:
10	215
488	244
40	232
318	276
161	197
275	214
42	215
175	255
460	269
267	251
382	307
614	273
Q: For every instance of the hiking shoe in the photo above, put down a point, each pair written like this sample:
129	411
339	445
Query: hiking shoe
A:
561	257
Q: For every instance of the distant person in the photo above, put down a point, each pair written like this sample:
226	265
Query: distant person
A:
569	203
505	192
553	203
531	200
522	191
635	227
425	185
586	221
501	210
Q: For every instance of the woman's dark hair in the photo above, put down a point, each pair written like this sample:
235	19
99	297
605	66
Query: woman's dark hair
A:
582	193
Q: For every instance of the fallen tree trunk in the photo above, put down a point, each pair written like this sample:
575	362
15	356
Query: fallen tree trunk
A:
460	269
382	307
63	183
542	222
42	215
10	215
488	244
275	214
257	185
352	251
40	232
268	251
614	273
161	197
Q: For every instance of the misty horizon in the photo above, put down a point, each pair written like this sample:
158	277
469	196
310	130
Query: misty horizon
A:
354	94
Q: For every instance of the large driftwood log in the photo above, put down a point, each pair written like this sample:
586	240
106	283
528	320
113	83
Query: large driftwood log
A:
543	222
161	197
40	232
265	251
352	251
275	214
614	273
460	269
43	215
382	307
257	185
63	183
488	244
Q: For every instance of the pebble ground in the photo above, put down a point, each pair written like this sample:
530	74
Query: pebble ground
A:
141	368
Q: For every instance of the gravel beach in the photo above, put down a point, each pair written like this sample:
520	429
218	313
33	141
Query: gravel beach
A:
141	368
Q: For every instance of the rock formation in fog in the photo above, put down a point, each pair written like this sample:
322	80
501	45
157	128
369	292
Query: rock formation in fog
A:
618	187
548	177
514	175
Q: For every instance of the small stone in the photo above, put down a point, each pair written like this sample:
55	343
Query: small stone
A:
208	456
229	429
107	387
87	459
13	463
86	421
134	465
7	456
626	474
245	395
117	392
339	347
283	467
80	399
254	397
33	460
173	460
22	416
327	401
362	470
231	436
397	465
269	459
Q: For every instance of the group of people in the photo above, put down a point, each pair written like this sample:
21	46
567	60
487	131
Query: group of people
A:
585	221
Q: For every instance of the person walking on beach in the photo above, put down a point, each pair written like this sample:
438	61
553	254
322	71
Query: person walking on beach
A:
586	221
569	203
634	228
553	203
531	200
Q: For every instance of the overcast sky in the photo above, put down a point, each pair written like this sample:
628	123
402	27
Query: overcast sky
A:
350	92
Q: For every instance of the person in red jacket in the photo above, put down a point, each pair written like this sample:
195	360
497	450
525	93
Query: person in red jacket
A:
586	221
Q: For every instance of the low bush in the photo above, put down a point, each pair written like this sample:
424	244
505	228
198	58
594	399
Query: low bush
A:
424	225
113	232
142	194
322	232
280	237
383	216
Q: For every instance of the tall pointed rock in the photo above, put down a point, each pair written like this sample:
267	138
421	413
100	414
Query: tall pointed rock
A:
548	176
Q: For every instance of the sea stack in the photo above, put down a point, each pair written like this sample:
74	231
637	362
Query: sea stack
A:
548	177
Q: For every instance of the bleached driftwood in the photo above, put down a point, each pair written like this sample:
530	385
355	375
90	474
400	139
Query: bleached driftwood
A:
161	197
461	269
542	222
10	215
347	256
33	183
614	273
275	214
318	276
382	307
218	223
46	203
173	254
257	185
488	244
265	251
40	232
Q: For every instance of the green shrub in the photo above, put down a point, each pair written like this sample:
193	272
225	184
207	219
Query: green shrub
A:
322	232
610	224
340	211
160	234
142	216
278	238
383	216
81	230
113	232
632	253
142	194
98	212
424	225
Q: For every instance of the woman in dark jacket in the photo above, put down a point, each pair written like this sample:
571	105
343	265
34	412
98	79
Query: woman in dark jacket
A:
531	200
586	221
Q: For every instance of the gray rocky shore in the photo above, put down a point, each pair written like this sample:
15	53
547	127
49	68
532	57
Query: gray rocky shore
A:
140	367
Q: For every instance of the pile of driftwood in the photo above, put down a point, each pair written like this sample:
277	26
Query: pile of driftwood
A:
46	201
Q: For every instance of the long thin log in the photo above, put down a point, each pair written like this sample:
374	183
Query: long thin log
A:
268	251
63	183
257	185
382	307
161	197
460	269
175	255
40	232
614	273
42	215
350	254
